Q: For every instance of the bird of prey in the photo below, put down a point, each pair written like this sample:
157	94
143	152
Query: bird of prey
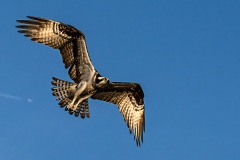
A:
87	82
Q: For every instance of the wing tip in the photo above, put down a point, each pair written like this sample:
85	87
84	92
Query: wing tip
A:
36	18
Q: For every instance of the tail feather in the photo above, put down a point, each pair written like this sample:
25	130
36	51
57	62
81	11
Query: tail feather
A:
83	110
64	102
61	83
62	89
63	92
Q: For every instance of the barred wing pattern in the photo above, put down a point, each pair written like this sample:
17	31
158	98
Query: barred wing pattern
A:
129	98
72	45
69	40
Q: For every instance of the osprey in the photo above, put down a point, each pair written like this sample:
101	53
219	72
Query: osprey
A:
88	83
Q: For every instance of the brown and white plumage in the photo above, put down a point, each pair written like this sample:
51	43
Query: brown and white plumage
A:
88	83
129	98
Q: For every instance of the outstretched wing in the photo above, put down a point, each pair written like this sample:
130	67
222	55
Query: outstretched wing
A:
129	98
69	40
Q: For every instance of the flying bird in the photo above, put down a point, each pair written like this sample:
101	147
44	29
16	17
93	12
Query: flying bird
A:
87	81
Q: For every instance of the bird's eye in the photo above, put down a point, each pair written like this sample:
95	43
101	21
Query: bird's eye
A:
97	80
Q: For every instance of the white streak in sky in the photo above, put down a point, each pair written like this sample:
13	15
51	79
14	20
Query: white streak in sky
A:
14	97
10	96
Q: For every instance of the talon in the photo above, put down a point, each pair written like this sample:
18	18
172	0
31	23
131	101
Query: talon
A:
70	106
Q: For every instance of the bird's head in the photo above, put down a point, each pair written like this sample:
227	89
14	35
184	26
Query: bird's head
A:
101	81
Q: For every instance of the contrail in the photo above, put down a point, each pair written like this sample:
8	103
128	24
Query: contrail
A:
14	97
10	96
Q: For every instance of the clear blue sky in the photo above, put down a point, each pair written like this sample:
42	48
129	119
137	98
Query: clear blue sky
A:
184	53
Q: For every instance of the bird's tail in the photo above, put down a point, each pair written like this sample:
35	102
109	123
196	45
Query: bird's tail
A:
64	91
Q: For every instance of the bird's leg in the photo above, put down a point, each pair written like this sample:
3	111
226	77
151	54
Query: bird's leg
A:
82	99
80	88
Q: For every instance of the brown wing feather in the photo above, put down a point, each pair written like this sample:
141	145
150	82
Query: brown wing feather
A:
130	104
56	35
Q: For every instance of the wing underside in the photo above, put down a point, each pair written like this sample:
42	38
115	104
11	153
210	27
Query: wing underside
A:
69	40
129	98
